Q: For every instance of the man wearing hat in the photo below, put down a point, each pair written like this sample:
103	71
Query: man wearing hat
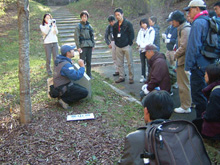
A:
64	73
159	77
183	78
195	62
170	37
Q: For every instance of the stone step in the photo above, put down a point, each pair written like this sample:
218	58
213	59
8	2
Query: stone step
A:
66	19
64	16
66	30
65	35
73	43
66	27
67	22
69	39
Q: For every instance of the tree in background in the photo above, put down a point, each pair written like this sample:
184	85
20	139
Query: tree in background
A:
24	66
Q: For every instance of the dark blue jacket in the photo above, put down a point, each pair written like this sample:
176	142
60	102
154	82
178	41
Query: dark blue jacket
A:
194	58
68	69
171	33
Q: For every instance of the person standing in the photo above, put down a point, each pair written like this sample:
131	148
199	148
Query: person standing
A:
195	62
123	33
109	40
84	39
153	23
170	37
49	31
145	37
217	8
183	78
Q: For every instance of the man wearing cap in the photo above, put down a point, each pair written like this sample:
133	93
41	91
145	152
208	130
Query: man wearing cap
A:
170	37
159	77
64	73
157	105
195	62
183	78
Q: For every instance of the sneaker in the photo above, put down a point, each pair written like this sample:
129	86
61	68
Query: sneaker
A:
181	110
131	81
142	79
116	74
64	105
120	80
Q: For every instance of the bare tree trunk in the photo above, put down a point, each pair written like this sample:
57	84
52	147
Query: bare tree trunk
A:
112	2
24	67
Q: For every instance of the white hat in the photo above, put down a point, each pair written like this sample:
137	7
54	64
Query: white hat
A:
195	3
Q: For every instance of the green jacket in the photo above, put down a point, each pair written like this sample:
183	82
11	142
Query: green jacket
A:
84	36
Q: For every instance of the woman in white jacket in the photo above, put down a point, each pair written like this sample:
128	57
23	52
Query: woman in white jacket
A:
49	31
145	37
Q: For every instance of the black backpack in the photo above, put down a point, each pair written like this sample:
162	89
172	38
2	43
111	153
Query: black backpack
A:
174	143
211	45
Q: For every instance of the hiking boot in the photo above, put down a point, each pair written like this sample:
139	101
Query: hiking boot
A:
120	80
181	110
142	79
64	105
116	74
131	81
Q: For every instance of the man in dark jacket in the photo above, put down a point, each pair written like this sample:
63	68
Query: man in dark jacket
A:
64	73
123	33
157	105
109	40
84	39
153	23
195	62
159	77
170	37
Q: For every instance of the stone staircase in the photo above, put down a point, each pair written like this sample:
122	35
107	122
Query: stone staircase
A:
66	23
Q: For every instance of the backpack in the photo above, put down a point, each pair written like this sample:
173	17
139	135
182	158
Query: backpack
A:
211	45
175	142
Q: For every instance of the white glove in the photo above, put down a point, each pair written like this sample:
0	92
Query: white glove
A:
167	40
144	88
164	36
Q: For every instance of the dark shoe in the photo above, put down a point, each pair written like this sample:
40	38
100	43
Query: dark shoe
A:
131	81
120	80
116	74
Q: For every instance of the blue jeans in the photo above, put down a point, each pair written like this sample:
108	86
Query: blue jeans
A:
197	82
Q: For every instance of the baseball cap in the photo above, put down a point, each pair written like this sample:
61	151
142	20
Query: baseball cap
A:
66	48
169	17
195	3
177	16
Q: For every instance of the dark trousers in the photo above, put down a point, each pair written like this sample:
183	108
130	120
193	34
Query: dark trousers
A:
197	82
74	93
86	55
143	64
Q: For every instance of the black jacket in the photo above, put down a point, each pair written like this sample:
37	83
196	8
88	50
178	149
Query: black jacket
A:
157	36
127	34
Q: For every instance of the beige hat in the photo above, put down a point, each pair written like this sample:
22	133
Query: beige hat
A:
195	3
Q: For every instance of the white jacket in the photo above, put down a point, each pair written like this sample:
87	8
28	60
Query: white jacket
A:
52	36
145	37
